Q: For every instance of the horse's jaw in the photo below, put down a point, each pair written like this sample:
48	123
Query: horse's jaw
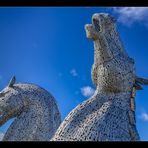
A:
3	118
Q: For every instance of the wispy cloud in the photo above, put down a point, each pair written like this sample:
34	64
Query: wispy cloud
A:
73	72
129	15
87	91
1	136
144	116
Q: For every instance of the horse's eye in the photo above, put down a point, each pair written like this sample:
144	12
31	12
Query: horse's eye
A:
96	25
2	94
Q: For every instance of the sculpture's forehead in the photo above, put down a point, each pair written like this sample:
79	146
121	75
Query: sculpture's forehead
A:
101	15
9	90
6	89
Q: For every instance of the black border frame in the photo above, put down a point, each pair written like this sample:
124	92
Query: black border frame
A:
46	3
72	3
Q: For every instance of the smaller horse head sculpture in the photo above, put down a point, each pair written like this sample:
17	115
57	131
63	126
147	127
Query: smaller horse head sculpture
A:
36	113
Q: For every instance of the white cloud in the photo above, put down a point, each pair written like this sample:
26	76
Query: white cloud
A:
144	116
129	15
73	72
87	91
1	136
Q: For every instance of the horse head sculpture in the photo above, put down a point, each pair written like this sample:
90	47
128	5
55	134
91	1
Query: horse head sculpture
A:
35	110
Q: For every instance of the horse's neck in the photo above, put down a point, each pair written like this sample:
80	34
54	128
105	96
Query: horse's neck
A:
31	124
123	104
121	99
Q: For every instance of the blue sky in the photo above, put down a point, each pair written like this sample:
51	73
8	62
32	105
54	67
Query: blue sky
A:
48	46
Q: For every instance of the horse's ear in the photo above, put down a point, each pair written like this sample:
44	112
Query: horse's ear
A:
12	82
141	81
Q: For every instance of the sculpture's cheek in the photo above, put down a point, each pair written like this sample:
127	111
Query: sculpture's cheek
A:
114	78
3	118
